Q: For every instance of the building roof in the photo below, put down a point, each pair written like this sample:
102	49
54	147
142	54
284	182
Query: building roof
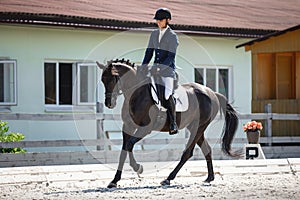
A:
248	18
277	33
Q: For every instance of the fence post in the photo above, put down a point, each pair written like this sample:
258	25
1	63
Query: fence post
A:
268	110
100	133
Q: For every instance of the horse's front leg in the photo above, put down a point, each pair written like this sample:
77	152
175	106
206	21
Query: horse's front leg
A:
118	174
126	133
139	134
138	168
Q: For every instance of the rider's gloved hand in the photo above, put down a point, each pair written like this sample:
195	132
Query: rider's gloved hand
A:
154	70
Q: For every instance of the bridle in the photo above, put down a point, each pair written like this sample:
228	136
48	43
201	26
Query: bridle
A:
118	91
114	94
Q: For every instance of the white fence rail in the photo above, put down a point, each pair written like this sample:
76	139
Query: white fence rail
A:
104	156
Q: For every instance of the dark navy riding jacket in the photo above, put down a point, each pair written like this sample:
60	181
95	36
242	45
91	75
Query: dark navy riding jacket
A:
165	51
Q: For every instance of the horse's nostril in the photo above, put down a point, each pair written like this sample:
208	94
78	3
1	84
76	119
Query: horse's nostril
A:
110	106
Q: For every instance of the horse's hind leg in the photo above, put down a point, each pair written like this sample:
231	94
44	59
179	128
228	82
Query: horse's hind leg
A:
188	153
206	150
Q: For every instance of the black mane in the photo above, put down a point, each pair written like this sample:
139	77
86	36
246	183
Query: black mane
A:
127	62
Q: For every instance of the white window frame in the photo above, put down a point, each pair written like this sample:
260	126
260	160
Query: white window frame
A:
14	102
76	104
218	67
57	106
78	80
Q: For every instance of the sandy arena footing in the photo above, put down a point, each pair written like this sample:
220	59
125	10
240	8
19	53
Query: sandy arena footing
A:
235	179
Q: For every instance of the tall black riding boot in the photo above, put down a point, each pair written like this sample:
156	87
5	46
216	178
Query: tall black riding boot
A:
171	112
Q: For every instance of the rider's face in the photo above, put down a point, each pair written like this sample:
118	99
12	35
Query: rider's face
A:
162	23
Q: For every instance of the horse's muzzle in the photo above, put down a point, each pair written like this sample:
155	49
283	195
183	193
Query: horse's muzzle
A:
110	103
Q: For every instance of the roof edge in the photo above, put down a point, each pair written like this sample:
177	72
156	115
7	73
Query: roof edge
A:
277	33
112	24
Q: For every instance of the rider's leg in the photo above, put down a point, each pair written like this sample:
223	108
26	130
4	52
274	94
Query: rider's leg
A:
170	103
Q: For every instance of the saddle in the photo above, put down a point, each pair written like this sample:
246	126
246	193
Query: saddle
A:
158	93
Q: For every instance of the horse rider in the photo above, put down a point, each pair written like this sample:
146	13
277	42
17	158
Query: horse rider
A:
163	42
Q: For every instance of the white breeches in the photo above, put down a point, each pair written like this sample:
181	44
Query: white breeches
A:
169	86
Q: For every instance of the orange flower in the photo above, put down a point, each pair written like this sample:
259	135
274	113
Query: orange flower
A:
259	125
252	126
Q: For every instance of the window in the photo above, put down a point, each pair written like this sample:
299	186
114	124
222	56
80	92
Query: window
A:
217	78
66	84
8	82
58	83
87	83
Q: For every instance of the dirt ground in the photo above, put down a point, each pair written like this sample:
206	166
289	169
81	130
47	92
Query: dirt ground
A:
254	186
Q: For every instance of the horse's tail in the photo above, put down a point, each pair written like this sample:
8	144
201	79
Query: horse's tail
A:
230	126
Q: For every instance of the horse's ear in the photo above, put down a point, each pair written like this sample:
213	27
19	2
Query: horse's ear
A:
101	66
109	62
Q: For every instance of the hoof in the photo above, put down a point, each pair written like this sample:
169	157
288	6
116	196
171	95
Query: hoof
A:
112	185
165	182
140	170
209	179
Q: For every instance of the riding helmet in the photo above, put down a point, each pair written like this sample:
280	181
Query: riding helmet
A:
162	13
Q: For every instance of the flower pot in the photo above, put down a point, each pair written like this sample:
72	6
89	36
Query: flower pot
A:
253	137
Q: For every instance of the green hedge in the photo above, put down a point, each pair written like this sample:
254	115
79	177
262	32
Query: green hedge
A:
6	136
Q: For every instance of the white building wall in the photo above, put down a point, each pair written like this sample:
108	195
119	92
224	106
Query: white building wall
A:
30	46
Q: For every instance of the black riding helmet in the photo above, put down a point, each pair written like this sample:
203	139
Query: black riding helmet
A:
162	13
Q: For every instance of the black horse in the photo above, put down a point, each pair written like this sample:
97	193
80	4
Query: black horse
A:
140	116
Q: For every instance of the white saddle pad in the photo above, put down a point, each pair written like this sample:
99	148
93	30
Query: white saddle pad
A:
182	102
